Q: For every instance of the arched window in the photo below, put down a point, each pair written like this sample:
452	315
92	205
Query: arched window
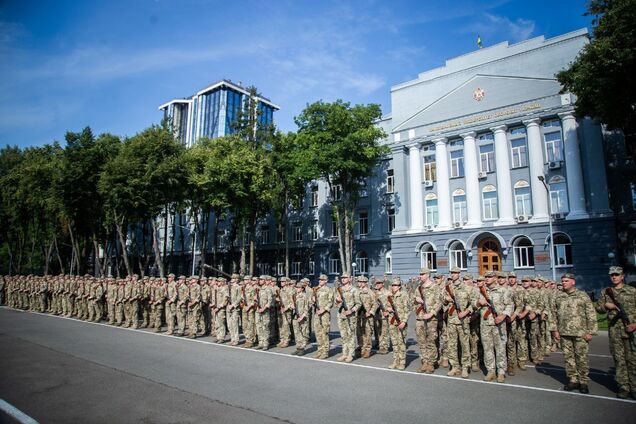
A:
558	195
562	250
432	215
523	204
460	213
362	260
457	255
334	263
489	202
524	252
428	257
388	262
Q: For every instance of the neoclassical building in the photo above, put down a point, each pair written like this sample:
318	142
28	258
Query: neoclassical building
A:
486	153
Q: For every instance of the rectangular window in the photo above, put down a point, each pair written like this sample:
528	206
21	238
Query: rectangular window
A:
312	268
334	265
336	192
457	164
390	181
295	268
562	255
314	196
432	214
264	234
490	206
388	264
430	168
524	256
363	222
553	146
314	231
364	192
297	231
391	216
334	227
558	198
429	260
518	151
280	234
280	268
460	213
457	258
523	205
487	158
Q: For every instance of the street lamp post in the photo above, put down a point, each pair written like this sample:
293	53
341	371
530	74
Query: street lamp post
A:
547	189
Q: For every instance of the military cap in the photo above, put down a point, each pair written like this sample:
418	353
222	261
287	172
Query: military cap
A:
323	277
480	278
568	275
255	278
438	276
489	274
425	270
163	279
194	277
615	270
396	281
468	276
234	276
182	277
363	279
263	277
345	275
300	285
502	274
283	279
455	269
221	280
247	278
511	274
171	275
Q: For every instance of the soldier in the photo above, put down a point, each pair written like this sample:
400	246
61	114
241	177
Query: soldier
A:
119	302
183	300
222	300
575	325
206	292
535	317
474	322
300	312
249	310
172	297
398	309
619	301
2	289
442	326
427	304
381	322
158	294
324	300
274	310
460	300
144	302
287	294
264	302
518	351
96	311
194	306
368	309
233	309
348	298
496	306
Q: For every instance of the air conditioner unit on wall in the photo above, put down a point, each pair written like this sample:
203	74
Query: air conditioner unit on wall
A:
458	225
558	216
555	164
522	218
429	228
482	175
428	183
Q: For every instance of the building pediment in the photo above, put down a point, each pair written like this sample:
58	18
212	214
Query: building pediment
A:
480	94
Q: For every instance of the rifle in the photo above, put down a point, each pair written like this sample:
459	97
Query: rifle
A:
455	305
257	301
315	289
491	306
229	294
622	315
244	299
394	317
295	310
422	307
343	305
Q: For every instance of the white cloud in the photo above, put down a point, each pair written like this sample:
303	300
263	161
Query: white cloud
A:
493	26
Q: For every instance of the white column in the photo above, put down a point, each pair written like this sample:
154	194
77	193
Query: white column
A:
473	196
540	209
443	185
574	172
415	188
504	186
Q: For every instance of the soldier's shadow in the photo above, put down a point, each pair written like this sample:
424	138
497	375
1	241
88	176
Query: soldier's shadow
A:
596	375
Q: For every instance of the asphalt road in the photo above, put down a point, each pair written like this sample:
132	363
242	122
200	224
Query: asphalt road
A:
64	370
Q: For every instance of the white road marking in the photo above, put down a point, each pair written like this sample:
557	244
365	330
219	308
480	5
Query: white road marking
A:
15	413
376	368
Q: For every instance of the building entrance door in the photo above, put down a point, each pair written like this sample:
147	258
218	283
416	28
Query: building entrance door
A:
489	256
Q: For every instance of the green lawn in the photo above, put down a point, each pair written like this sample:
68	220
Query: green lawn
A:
602	321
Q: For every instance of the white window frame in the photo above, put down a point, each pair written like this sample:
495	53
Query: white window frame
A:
336	192
519	153
488	204
295	268
363	263
390	181
523	255
391	218
430	168
335	227
265	234
428	257
314	196
463	209
457	165
281	233
280	268
488	158
363	223
559	198
297	231
314	230
523	200
312	268
388	262
561	252
457	257
553	148
334	264
431	208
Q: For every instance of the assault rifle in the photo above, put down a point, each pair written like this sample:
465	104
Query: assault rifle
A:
621	314
244	299
257	300
455	305
394	316
422	307
491	306
343	305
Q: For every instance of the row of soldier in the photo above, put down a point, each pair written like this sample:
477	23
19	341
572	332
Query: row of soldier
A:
460	322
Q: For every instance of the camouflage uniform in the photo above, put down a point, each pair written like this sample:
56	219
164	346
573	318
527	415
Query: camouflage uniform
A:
426	329
458	331
233	310
172	297
222	299
381	322
249	313
194	307
322	320
144	302
622	344
301	310
119	303
493	336
265	301
535	318
399	315
575	317
368	310
287	293
183	296
158	295
350	303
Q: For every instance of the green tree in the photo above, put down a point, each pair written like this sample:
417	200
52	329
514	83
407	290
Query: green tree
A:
342	145
602	76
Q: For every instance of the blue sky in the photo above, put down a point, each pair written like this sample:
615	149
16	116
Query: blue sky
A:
109	64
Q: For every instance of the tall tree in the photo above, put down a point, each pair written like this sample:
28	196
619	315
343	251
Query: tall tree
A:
342	145
602	76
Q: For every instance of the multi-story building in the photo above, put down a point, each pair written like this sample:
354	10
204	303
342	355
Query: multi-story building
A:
486	153
212	111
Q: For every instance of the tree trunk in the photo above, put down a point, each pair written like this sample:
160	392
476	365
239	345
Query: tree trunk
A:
165	237
347	241
155	246
59	257
47	258
122	242
285	227
341	247
242	260
75	247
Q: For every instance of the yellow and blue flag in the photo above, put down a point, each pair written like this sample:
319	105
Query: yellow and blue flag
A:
479	41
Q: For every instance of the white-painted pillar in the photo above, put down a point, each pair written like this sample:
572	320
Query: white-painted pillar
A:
540	210
415	188
504	185
443	185
473	197
574	172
